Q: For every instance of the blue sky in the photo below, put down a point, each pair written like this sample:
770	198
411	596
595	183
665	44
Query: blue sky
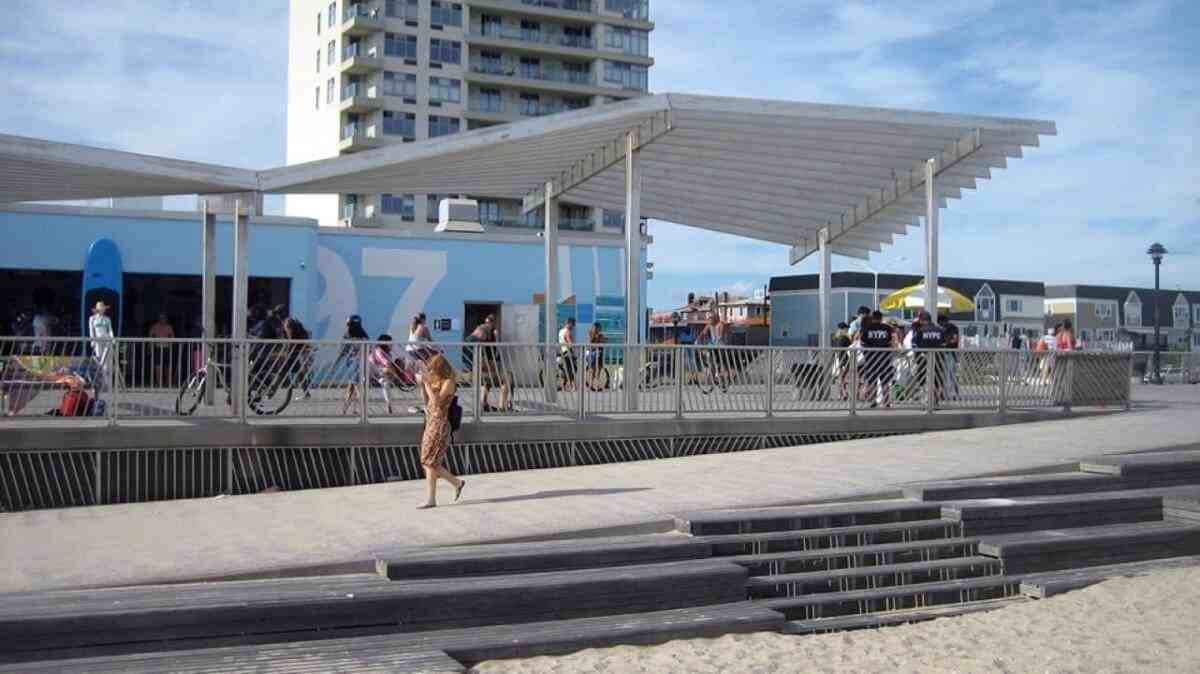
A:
1121	79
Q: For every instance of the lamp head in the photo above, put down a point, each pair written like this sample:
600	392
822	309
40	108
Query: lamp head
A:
1156	252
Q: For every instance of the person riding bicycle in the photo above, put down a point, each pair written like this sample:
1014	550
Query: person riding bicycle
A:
384	369
262	356
713	334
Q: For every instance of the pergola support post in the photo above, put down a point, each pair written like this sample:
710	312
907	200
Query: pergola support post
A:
241	281
208	292
633	270
931	280
550	238
825	281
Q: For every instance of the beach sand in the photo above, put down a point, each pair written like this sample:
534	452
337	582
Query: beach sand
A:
1144	624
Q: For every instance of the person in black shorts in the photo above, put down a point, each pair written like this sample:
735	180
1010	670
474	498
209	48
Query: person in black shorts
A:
929	335
878	340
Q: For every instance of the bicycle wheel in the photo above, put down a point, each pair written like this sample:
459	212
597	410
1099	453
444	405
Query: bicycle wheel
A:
191	394
274	399
707	381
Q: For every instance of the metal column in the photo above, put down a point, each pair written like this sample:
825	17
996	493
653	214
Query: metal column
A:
550	237
208	293
633	271
931	240
824	285
931	280
241	279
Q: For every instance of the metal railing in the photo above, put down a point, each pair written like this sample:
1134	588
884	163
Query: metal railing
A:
546	74
1175	367
360	10
535	36
571	5
132	378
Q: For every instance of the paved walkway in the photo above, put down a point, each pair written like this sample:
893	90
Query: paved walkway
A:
187	539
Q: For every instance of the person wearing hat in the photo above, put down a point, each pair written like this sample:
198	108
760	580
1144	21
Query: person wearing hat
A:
100	329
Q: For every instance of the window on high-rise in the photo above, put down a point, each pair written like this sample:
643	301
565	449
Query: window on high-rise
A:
629	76
629	40
402	9
489	212
445	90
630	9
329	90
399	84
400	45
442	126
332	14
433	206
318	98
332	51
445	51
614	219
531	105
318	60
398	204
400	124
445	13
489	100
318	23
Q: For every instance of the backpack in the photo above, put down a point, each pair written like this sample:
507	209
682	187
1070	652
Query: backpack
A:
75	403
455	414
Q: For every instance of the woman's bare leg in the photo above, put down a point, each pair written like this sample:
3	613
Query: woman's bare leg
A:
431	478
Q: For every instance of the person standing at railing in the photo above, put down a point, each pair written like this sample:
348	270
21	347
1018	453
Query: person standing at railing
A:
160	351
566	358
440	385
595	354
841	363
876	373
928	336
300	360
491	371
714	334
350	355
100	329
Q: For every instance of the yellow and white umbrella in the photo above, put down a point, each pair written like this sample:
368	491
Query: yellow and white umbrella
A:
913	297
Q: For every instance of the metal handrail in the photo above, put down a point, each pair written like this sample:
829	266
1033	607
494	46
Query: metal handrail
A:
142	378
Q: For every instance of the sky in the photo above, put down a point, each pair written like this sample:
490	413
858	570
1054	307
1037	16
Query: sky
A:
1120	79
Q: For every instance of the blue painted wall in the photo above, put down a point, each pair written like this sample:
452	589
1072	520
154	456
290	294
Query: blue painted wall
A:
334	273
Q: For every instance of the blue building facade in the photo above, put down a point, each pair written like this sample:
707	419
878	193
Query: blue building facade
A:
323	275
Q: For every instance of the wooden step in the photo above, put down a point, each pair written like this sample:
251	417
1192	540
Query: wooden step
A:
1183	506
737	544
823	604
842	580
294	609
467	646
1057	549
1012	486
861	555
507	558
997	516
755	520
1045	585
886	618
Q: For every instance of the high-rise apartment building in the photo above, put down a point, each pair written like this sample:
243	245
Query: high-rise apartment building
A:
366	74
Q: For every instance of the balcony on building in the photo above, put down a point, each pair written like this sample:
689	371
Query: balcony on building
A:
360	97
533	73
362	18
506	213
532	36
359	135
359	211
361	57
631	13
491	105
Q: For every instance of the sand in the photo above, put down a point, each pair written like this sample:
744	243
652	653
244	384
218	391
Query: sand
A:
1144	624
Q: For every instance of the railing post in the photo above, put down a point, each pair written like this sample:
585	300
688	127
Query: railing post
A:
1004	371
113	364
476	370
98	461
581	380
1068	370
363	381
679	367
770	382
930	358
852	388
242	394
1129	384
229	470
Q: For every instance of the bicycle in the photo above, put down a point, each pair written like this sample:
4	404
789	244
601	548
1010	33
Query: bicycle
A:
268	393
711	374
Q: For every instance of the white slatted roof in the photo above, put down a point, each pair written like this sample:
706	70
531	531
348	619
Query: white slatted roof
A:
771	170
40	170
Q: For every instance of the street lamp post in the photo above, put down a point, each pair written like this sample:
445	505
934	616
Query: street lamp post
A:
876	274
1156	252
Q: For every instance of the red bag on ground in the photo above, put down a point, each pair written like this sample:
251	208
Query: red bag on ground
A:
74	403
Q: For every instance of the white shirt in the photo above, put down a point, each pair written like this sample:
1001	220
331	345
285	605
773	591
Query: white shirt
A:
563	336
1051	342
100	326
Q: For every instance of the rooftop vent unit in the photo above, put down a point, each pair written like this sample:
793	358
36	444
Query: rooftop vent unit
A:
459	215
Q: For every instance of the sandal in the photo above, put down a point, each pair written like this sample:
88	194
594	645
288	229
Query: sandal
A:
458	490
426	506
